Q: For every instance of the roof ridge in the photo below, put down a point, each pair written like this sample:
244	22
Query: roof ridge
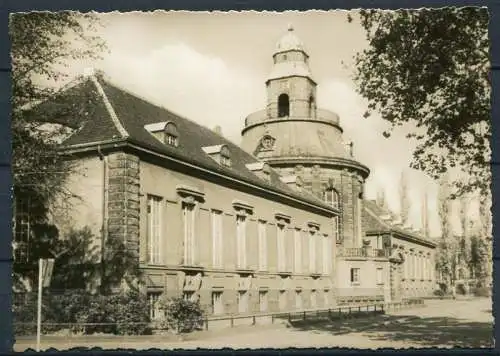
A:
109	107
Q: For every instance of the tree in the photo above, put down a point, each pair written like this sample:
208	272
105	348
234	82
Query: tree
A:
445	262
428	70
404	199
43	44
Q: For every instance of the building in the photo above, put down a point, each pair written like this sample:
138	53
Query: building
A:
280	223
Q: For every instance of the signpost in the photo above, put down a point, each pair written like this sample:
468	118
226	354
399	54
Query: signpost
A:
45	268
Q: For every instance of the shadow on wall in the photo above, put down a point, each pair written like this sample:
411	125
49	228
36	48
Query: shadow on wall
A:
424	332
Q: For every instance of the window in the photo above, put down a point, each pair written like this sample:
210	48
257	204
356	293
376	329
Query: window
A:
188	295
331	197
314	300
297	250
171	134
326	254
282	300
22	229
311	106
225	156
242	302
354	275
359	220
326	298
336	229
262	229
281	248
312	251
380	276
154	228
153	305
298	300
283	106
263	301
241	240
217	305
217	239
267	142
188	212
380	244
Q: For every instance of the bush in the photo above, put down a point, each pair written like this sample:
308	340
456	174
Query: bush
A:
481	292
125	313
182	316
439	293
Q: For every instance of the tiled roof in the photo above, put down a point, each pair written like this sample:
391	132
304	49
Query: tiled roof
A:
133	113
374	222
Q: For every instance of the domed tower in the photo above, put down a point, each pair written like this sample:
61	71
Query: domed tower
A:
297	138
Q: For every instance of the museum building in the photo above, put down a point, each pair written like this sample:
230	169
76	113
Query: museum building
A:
280	223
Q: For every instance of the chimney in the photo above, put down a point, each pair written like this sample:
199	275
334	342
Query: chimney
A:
293	182
218	130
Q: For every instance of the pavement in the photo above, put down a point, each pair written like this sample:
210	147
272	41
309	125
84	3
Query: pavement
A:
441	323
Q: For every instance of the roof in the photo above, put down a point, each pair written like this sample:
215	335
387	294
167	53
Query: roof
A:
379	219
289	42
110	113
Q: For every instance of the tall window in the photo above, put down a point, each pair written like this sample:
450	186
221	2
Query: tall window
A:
242	302
326	298
297	250
359	219
336	229
355	276
331	197
217	238
241	229
153	305
262	245
188	295
283	105
154	224
281	248
298	300
282	301
22	229
311	106
189	217
217	305
312	251
380	276
314	300
326	254
263	300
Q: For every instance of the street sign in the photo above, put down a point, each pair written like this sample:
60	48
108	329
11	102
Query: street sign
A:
47	268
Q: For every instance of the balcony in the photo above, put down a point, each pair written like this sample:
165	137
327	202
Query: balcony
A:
362	252
322	115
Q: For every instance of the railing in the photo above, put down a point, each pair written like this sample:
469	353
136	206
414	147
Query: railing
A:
362	252
321	115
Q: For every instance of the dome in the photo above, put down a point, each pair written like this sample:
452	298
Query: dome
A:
289	42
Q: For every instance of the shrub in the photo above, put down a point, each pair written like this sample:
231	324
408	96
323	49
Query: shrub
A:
439	292
182	316
131	313
24	313
482	292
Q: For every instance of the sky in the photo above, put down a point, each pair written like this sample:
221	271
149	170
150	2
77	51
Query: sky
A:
211	67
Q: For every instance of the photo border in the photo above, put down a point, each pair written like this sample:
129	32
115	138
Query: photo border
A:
6	7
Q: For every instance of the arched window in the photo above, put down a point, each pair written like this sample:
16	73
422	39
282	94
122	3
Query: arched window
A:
225	156
331	197
283	105
171	134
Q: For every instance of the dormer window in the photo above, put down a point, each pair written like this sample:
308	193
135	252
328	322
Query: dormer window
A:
267	142
261	169
171	134
166	132
219	153
225	157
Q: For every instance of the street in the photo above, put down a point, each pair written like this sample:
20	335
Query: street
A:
441	323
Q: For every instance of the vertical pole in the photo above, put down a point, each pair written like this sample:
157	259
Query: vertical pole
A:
39	306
